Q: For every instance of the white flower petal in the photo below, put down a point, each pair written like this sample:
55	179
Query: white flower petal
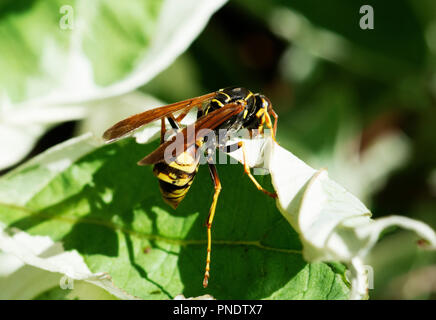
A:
69	263
333	224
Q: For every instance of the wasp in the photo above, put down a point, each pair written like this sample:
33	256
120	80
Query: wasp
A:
229	109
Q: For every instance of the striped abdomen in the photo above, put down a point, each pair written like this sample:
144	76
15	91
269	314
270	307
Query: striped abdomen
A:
176	178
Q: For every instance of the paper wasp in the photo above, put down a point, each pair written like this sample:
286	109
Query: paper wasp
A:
231	109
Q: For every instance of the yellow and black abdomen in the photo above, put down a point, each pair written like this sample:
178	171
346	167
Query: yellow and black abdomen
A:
175	178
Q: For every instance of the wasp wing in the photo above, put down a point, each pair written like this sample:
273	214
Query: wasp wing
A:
191	134
128	125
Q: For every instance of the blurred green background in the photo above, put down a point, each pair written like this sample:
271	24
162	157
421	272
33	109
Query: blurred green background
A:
360	102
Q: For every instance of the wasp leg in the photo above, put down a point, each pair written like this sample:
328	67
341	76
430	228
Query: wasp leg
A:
248	172
276	117
270	125
217	185
173	123
162	130
233	147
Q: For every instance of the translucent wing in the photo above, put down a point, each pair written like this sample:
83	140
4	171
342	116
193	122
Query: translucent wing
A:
128	125
191	134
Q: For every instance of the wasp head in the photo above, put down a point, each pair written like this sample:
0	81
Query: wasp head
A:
260	114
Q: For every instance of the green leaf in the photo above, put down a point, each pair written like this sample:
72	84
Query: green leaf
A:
109	210
98	214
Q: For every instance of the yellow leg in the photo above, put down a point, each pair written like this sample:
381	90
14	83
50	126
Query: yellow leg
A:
270	125
276	117
248	172
217	185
